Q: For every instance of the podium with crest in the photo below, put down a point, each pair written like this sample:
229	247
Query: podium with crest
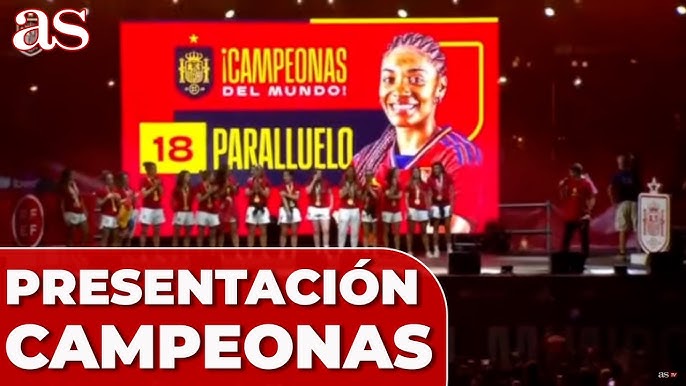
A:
653	230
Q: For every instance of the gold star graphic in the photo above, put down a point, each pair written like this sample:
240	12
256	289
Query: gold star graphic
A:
193	38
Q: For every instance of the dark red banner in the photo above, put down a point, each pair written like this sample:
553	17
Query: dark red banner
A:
201	316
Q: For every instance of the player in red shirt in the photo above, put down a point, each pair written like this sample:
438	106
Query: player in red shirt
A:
182	204
289	214
228	216
349	211
152	214
208	208
371	197
257	215
390	211
413	83
108	200
417	203
127	209
442	195
578	199
73	208
320	199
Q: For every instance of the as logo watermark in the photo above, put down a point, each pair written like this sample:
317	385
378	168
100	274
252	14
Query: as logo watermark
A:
33	31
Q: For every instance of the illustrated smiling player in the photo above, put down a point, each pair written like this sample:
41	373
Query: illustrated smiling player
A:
413	84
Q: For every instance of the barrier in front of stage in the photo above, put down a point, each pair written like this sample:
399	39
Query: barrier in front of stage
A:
547	231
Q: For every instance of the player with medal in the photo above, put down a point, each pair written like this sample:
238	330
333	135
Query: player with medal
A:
257	215
349	212
228	216
182	203
289	214
417	204
108	200
390	211
73	208
442	195
320	199
128	214
152	214
208	208
371	195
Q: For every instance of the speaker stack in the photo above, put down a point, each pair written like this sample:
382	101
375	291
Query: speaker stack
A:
466	256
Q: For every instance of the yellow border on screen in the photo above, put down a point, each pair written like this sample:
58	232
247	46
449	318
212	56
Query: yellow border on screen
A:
473	44
399	20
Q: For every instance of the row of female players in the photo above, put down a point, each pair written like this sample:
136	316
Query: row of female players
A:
360	202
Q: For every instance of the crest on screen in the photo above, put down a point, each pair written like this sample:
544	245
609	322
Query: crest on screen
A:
32	37
194	71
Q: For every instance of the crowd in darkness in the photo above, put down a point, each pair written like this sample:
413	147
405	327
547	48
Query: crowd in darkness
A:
561	367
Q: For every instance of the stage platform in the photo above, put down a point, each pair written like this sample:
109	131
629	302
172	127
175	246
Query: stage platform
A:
525	265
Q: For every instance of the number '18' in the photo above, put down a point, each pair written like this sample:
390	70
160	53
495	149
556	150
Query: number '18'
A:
177	149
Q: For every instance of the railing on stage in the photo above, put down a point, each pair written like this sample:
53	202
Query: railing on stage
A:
547	231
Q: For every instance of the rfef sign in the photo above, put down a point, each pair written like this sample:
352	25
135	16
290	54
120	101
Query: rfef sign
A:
654	219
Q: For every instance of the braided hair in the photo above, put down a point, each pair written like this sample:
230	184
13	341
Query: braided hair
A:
371	156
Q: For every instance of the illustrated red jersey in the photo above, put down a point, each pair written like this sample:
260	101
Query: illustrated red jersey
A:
110	206
575	193
71	198
320	196
417	195
209	204
154	199
460	158
182	199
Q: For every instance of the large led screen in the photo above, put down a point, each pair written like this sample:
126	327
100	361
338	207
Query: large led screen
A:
315	94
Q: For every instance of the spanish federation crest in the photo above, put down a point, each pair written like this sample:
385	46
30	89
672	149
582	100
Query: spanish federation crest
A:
194	71
654	219
32	37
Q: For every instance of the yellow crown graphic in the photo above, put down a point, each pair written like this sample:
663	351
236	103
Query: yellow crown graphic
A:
194	56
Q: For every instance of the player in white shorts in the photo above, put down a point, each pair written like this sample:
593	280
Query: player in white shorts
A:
208	209
108	200
391	216
73	209
319	209
289	214
371	197
442	194
227	190
417	202
257	215
128	214
152	214
182	202
349	212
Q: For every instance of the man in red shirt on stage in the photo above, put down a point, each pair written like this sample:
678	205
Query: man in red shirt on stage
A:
578	199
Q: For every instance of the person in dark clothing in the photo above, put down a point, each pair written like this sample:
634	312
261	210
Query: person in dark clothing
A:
623	191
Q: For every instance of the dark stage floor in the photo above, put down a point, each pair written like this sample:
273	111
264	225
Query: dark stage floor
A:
540	265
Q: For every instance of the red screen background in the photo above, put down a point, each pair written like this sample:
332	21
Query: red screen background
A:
150	93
